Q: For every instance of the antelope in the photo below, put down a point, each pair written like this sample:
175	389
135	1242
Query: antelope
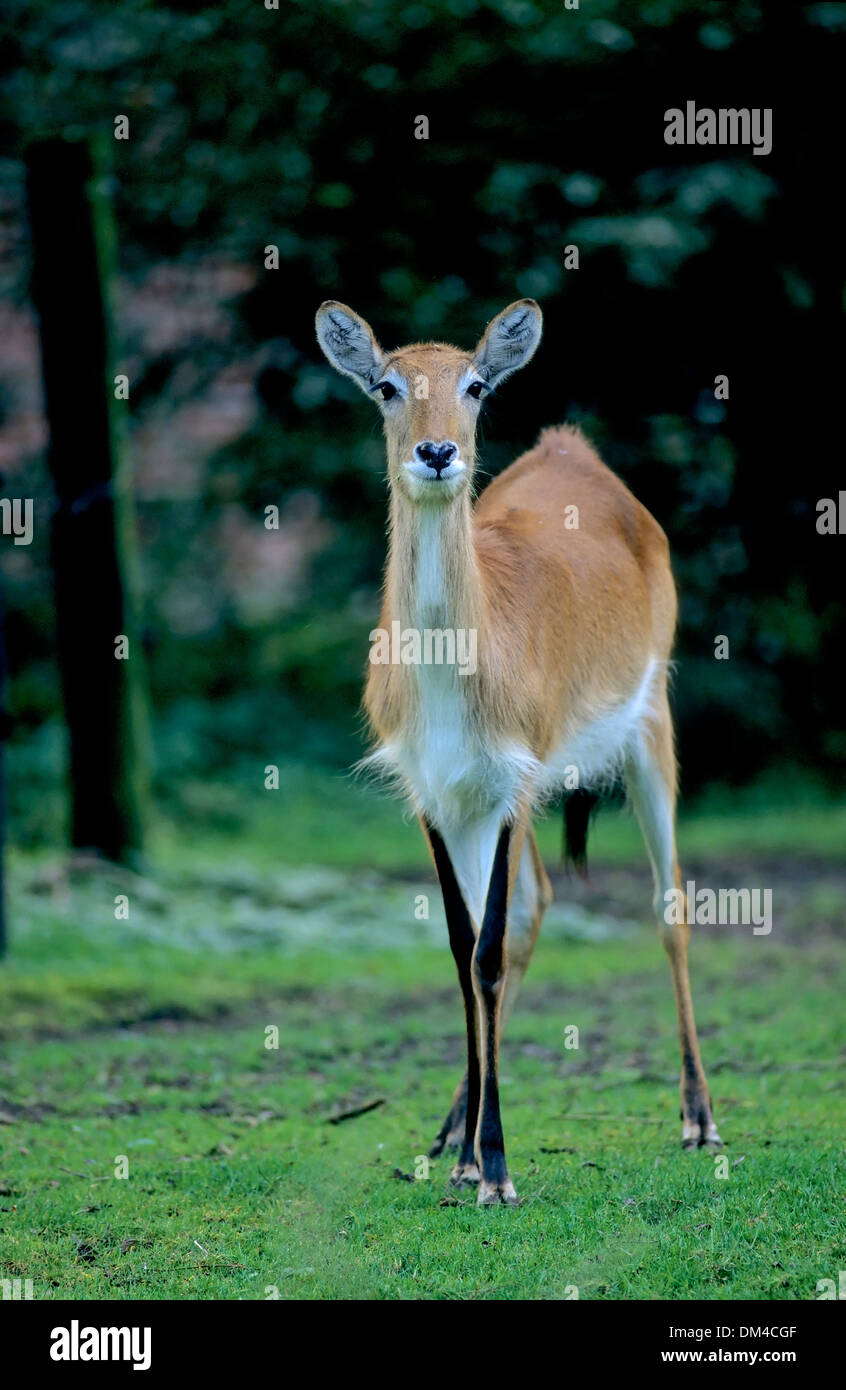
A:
575	627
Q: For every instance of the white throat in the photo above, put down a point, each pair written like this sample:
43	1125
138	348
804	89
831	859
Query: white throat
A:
429	593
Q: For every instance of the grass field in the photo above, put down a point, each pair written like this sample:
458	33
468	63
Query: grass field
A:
140	1045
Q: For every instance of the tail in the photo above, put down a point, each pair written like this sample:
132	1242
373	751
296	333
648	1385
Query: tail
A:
579	806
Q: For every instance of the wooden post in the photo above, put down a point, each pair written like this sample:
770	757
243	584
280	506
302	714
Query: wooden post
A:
92	530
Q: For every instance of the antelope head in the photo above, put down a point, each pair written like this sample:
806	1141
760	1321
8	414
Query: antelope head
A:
429	394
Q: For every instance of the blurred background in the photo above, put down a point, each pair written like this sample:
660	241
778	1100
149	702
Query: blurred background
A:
143	983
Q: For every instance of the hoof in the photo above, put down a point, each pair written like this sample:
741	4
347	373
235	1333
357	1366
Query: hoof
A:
464	1175
451	1138
701	1132
493	1194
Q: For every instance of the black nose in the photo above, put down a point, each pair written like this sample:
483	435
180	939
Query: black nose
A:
437	456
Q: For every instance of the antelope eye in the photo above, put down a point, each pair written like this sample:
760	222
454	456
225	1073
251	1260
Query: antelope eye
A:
388	391
475	389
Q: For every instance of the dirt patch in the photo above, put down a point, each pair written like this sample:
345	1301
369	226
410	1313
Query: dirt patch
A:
808	895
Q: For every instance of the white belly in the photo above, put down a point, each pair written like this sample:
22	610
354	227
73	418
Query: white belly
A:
463	786
454	775
600	748
468	788
450	772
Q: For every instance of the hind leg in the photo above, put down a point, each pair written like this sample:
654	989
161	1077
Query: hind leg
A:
531	897
651	785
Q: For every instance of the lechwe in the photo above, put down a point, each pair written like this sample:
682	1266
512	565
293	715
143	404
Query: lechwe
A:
563	580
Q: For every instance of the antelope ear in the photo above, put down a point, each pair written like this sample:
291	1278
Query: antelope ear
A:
348	343
509	341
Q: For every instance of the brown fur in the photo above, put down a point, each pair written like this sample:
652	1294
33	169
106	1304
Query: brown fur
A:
567	620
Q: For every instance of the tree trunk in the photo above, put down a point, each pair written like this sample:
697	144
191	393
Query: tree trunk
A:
92	530
5	725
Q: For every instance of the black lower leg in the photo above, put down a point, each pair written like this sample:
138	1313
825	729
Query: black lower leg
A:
462	941
489	967
455	1124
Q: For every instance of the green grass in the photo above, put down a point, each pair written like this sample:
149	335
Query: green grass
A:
146	1038
354	826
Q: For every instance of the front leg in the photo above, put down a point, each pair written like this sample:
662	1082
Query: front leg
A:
530	897
462	939
488	982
